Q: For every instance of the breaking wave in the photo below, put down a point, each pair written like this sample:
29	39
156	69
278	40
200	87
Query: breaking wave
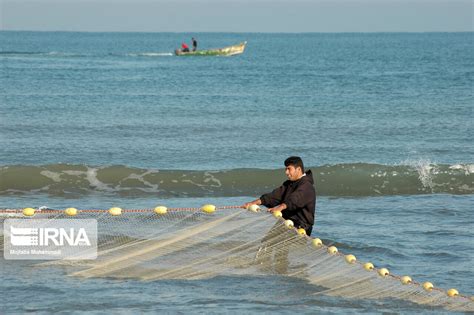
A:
358	179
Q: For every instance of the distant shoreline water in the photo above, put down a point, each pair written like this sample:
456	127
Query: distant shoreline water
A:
267	33
345	98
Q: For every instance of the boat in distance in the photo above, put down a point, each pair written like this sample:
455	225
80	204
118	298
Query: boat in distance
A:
226	51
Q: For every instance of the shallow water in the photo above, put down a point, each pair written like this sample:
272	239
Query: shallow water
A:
427	237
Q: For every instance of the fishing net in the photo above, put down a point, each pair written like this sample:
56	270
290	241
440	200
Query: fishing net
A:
188	243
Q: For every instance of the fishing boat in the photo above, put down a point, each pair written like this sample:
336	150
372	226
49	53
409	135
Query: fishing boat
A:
226	51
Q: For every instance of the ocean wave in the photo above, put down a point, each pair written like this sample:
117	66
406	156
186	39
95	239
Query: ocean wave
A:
358	179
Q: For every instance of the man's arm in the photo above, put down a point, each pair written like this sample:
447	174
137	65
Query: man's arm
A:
274	198
300	197
280	208
269	200
297	199
257	202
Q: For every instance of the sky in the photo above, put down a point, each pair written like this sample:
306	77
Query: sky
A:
274	16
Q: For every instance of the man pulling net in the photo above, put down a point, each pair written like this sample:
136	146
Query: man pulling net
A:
296	200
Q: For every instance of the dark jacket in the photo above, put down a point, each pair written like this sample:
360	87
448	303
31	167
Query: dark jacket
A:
300	199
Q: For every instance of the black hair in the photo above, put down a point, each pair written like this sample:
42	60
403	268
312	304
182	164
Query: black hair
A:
296	161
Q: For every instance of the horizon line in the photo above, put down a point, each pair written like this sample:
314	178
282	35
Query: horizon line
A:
240	32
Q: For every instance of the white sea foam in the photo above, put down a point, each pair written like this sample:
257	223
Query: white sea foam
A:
208	180
467	168
56	177
91	176
211	178
75	173
426	169
139	177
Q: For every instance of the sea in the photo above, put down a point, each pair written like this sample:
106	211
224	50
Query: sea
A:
383	120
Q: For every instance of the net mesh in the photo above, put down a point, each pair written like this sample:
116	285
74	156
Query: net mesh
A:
188	243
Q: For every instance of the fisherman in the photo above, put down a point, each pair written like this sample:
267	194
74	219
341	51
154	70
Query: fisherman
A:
184	47
195	43
295	198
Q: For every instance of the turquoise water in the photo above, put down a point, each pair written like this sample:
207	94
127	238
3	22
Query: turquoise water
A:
383	120
108	99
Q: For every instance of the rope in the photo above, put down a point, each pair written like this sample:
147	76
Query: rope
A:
48	211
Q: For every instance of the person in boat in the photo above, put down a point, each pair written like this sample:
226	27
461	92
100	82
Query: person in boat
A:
184	47
195	43
296	200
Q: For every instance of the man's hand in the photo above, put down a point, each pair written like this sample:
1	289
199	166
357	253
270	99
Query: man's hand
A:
248	204
280	208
